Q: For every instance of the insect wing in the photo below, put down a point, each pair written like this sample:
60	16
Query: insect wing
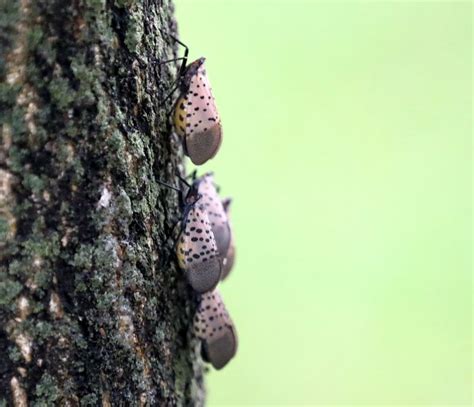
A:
213	325
197	251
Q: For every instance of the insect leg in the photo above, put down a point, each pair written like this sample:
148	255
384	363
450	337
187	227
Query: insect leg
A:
193	175
184	181
186	52
169	60
181	69
174	87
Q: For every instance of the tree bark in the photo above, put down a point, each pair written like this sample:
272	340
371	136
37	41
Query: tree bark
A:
93	309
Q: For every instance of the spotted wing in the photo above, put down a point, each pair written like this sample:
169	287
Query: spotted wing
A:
200	104
213	325
197	251
195	111
211	202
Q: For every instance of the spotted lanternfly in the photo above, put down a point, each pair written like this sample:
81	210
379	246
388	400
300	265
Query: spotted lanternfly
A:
195	117
230	255
196	246
212	204
213	325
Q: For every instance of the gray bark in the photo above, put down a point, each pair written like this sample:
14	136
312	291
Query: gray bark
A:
93	309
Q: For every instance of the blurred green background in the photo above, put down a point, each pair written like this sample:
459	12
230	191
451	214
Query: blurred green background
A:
347	149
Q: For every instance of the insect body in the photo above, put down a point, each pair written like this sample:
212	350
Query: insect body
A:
213	325
196	247
195	117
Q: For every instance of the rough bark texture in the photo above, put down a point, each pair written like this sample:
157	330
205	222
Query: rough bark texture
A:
93	309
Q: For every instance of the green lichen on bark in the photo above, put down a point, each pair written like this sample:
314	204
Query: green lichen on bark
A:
93	309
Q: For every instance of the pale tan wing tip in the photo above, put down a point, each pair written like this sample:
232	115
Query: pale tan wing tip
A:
220	351
204	276
203	146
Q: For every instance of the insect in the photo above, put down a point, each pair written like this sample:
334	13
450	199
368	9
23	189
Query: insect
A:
230	255
213	325
196	247
195	117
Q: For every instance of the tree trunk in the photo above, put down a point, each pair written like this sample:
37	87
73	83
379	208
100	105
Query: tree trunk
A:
93	309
